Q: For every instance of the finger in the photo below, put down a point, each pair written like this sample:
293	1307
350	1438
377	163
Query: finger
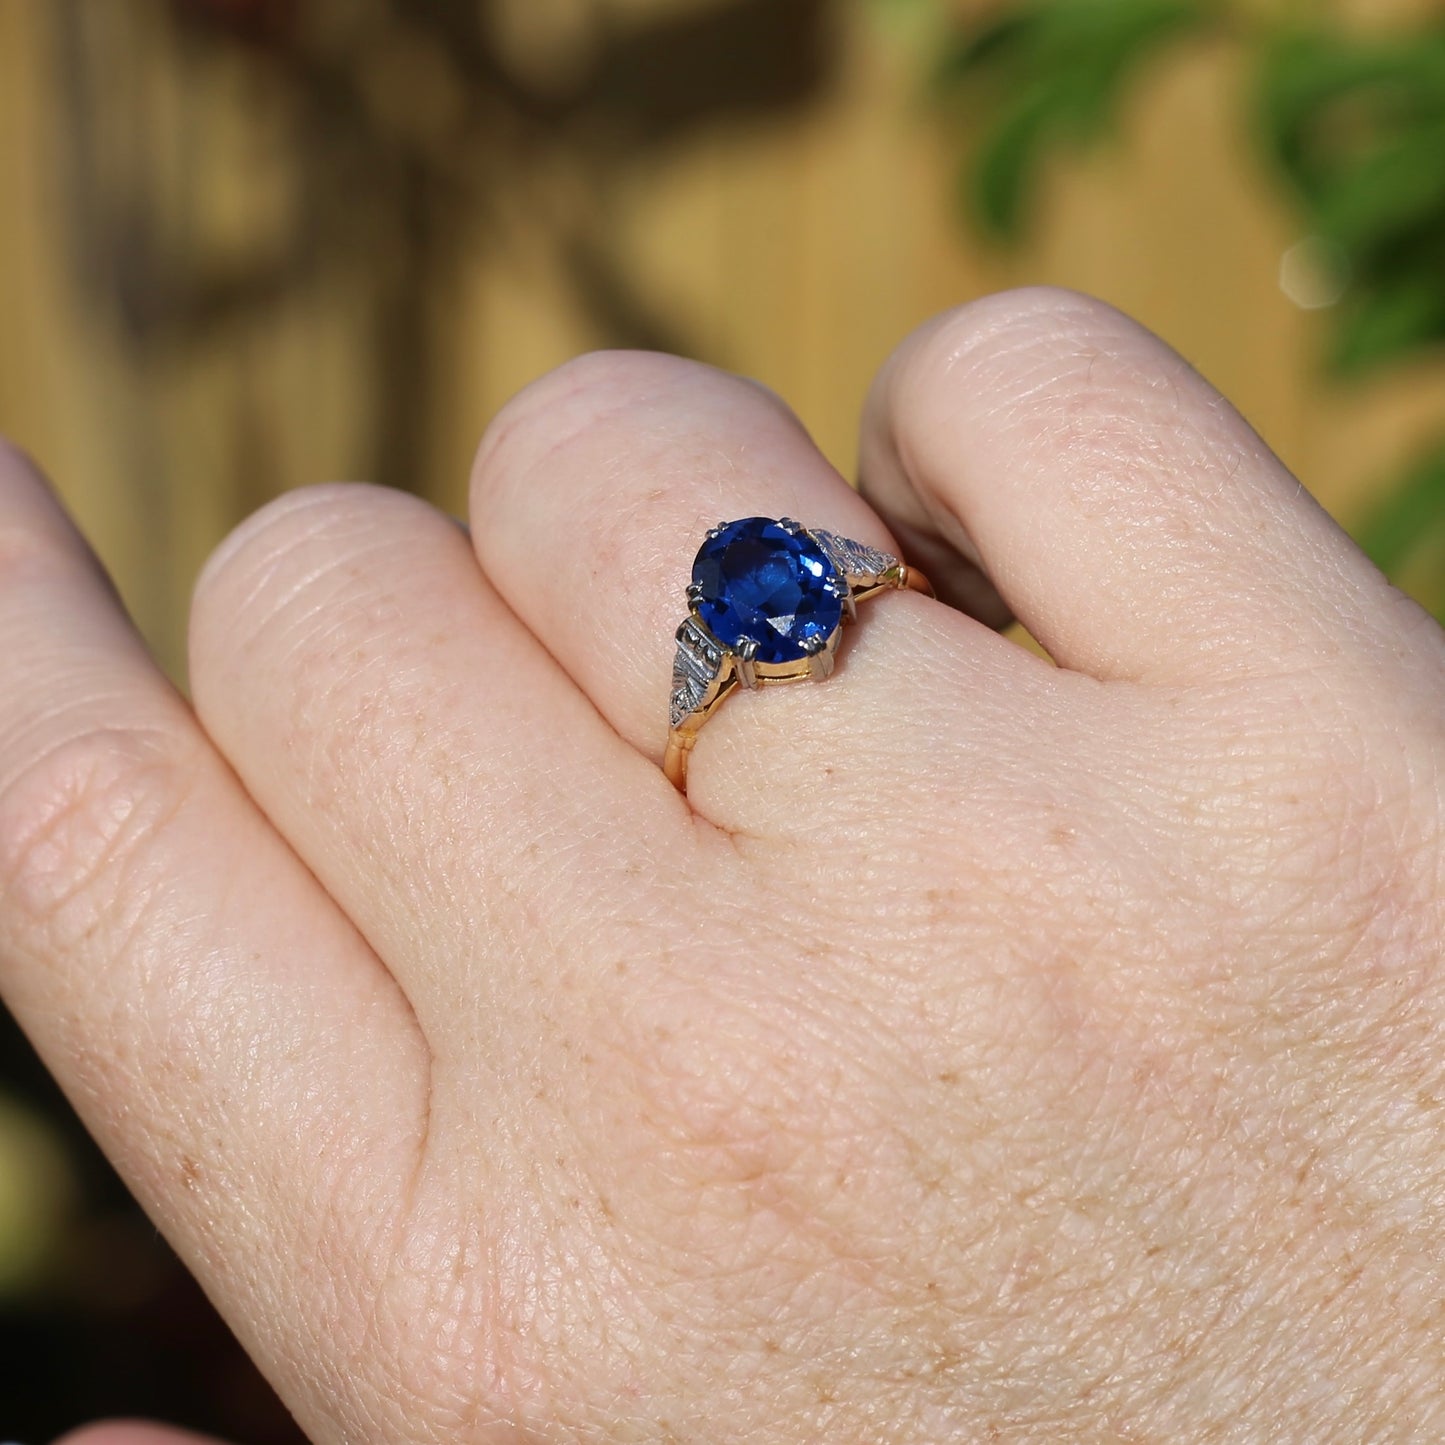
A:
238	1051
1126	513
957	577
442	777
590	497
138	1432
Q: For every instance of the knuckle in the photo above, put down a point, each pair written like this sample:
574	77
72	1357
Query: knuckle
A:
19	471
38	545
1029	319
280	561
572	400
1045	348
1130	436
248	560
74	830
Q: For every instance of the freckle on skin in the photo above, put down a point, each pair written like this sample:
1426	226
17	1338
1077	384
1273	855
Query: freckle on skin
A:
190	1173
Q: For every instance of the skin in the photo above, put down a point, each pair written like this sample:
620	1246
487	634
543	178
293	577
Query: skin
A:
133	1433
984	1050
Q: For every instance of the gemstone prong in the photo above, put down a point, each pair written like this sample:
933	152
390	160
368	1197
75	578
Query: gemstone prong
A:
820	659
744	655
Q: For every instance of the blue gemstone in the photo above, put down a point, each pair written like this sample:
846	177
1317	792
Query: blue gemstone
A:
757	580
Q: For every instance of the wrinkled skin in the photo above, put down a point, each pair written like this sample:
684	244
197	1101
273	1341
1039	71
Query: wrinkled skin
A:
985	1050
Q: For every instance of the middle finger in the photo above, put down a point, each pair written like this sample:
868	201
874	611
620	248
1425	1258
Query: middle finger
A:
448	785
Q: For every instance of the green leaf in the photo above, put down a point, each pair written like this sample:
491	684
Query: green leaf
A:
1358	128
1096	46
1006	162
1044	76
996	42
1386	193
1395	316
1324	99
1413	513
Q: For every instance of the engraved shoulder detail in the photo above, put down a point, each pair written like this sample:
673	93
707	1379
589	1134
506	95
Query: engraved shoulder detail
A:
695	671
856	561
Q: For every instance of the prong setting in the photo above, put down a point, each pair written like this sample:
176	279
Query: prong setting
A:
754	578
820	658
744	656
840	588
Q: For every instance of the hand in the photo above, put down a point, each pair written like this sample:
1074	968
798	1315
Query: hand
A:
133	1433
982	1050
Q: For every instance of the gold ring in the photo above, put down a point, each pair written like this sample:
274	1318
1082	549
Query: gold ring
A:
766	604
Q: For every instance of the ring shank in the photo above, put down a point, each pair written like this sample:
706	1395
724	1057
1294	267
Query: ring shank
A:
674	761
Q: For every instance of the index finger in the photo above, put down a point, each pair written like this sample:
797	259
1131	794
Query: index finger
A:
240	1053
134	1432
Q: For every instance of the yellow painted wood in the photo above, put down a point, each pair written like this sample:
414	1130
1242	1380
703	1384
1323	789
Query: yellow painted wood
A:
797	252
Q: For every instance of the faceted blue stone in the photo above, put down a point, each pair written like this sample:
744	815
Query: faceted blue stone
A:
757	580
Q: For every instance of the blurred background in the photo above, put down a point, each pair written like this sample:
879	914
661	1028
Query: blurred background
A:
251	244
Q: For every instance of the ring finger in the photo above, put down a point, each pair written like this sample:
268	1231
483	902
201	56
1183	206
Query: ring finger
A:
590	495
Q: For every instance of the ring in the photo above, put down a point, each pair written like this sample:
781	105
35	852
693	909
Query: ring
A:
766	604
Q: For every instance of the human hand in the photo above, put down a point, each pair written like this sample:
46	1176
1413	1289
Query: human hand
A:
982	1050
137	1432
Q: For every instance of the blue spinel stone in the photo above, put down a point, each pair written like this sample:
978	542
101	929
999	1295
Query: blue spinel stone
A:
757	580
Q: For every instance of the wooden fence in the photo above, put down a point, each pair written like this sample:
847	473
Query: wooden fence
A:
796	241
